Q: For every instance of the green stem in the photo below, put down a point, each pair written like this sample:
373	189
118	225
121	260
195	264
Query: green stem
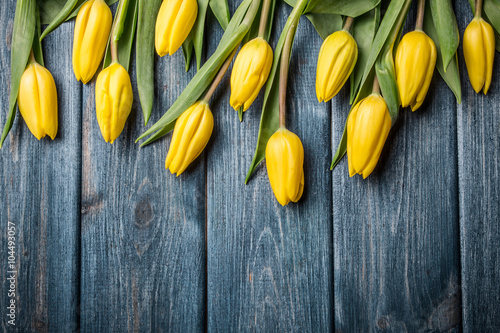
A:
264	17
285	64
376	86
32	59
348	23
218	78
479	8
420	15
117	29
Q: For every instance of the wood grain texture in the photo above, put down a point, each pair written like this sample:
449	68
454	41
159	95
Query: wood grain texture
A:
396	237
143	229
479	172
40	183
269	267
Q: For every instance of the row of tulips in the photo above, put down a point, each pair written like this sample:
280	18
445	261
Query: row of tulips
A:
388	80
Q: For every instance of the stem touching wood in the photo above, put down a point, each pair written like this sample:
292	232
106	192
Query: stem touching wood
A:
285	63
218	78
420	15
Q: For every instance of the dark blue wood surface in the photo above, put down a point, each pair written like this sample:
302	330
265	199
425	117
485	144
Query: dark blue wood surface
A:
108	240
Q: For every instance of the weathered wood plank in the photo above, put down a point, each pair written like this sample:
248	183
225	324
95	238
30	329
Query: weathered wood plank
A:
479	188
396	238
143	229
40	183
269	267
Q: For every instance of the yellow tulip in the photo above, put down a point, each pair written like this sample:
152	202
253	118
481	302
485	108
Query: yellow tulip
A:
92	28
284	162
250	72
415	61
37	100
113	100
173	24
479	51
336	61
191	134
368	126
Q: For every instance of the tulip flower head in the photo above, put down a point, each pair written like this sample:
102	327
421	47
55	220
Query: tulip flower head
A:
173	24
284	162
250	72
368	126
37	100
336	61
415	61
113	95
191	134
92	28
479	52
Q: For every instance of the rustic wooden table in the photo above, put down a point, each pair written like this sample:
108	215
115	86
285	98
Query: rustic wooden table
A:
107	240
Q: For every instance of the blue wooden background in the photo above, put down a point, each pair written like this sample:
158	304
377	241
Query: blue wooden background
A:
108	240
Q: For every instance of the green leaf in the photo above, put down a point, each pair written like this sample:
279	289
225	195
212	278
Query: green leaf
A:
126	37
145	50
451	76
50	9
446	28
386	75
60	17
236	30
220	9
269	121
325	24
37	44
187	50
199	29
347	8
23	35
386	36
363	30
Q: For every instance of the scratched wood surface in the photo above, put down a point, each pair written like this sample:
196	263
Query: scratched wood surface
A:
107	240
40	194
478	122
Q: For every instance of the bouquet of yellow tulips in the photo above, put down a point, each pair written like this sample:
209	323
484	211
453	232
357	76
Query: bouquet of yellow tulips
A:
362	43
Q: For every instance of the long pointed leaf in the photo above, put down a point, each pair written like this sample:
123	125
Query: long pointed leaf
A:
22	40
145	50
446	28
325	24
60	17
220	9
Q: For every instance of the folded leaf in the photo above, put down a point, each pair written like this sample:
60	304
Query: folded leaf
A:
23	35
199	29
451	76
60	17
386	75
220	9
363	30
145	50
325	24
446	28
50	10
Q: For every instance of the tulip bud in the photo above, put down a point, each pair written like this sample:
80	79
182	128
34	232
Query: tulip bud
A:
368	126
336	61
37	100
173	24
250	72
92	28
191	134
284	162
113	100
479	51
415	61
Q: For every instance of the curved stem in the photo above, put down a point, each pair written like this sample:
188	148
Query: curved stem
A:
420	15
348	23
264	17
479	8
285	64
218	78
